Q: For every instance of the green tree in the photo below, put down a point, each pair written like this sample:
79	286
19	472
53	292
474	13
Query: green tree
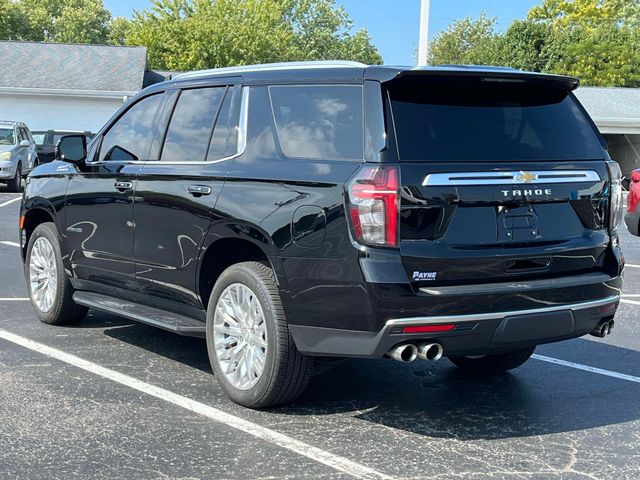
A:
605	55
193	34
572	13
595	40
526	45
71	21
466	41
322	31
119	28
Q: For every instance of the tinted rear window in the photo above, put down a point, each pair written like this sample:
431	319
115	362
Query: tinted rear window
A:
493	122
319	121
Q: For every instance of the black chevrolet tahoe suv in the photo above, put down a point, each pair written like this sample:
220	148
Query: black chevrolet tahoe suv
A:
292	212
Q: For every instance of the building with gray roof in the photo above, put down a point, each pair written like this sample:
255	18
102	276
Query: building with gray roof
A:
616	113
66	86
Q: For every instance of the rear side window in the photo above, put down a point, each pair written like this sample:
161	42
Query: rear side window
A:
128	138
39	138
191	125
319	121
493	122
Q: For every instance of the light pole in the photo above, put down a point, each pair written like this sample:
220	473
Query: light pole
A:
423	46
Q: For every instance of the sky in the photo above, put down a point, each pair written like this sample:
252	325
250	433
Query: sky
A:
394	24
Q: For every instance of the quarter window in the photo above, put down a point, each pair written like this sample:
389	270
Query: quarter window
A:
224	141
191	125
319	121
128	138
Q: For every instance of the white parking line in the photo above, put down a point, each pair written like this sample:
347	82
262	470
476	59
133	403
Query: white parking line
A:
9	202
14	299
587	368
11	244
631	265
336	462
631	302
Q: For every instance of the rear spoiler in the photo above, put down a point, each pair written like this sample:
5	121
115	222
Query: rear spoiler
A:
386	74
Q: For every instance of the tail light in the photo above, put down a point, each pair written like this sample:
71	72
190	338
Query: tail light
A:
615	204
373	203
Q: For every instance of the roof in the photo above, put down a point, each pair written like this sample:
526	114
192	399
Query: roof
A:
614	110
329	71
10	122
71	67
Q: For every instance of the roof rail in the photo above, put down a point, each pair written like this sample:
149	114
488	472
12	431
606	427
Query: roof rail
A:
265	67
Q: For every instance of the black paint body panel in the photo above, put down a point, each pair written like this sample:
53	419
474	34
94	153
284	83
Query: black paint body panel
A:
148	244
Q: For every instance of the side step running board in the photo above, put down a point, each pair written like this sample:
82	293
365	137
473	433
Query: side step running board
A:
141	313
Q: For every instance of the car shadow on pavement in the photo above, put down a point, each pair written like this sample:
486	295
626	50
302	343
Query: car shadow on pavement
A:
437	399
441	401
189	351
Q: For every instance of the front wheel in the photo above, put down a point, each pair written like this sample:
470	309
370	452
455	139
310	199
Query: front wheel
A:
14	185
250	348
49	288
494	363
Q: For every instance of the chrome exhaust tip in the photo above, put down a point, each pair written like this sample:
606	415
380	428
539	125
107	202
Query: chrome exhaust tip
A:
602	330
405	353
430	351
610	328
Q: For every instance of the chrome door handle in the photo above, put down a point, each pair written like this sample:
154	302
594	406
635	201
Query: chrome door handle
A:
122	186
199	190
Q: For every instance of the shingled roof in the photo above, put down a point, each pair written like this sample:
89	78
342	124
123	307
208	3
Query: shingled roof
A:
614	110
57	66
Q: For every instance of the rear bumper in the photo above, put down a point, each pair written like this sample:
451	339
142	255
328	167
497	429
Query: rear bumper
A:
474	334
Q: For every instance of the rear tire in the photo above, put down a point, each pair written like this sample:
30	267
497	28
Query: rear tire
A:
252	353
44	260
494	363
15	184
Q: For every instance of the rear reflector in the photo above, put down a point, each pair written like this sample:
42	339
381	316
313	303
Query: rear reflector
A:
609	307
429	328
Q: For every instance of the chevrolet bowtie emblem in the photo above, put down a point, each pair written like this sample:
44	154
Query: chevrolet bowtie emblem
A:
526	177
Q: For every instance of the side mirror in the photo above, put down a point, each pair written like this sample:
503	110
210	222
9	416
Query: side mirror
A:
24	143
635	176
72	148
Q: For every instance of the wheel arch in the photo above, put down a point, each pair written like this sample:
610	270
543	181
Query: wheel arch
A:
33	217
229	244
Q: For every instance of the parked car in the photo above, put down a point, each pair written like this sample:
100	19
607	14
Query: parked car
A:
46	142
632	217
296	211
17	153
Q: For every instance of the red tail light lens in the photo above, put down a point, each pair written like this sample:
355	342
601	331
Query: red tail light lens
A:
373	204
429	328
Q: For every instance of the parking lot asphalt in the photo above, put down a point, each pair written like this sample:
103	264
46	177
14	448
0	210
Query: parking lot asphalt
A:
110	398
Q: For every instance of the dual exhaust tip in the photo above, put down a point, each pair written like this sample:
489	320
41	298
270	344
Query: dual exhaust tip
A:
603	329
408	352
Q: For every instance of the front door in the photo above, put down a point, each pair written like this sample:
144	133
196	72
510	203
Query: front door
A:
99	202
176	195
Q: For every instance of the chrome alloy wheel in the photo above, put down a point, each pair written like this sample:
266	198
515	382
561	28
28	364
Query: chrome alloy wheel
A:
43	274
240	336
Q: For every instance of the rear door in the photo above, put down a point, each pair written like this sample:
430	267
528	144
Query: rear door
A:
177	193
500	181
